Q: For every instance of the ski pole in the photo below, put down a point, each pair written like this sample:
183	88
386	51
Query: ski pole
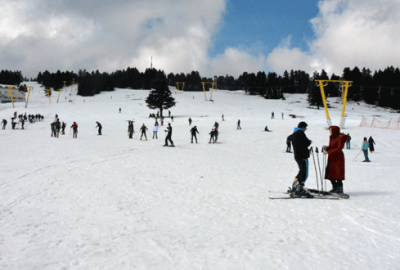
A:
319	167
357	155
315	166
324	169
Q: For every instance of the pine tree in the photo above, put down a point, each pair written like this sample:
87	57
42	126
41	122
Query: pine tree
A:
160	97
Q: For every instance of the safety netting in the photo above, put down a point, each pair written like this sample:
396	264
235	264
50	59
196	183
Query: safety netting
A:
394	123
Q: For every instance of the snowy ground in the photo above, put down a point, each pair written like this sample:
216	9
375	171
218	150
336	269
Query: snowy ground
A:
107	202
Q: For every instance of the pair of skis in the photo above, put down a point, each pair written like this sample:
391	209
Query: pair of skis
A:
318	194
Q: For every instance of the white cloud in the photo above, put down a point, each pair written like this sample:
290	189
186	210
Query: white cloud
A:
349	33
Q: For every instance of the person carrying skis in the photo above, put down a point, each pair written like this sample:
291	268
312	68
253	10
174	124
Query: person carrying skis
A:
155	130
169	135
130	129
364	148
288	144
335	168
190	121
348	141
212	136
371	144
193	131
4	123
143	130
238	124
301	154
100	127
75	130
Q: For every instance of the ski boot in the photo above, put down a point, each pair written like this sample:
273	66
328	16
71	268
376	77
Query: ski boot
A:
300	192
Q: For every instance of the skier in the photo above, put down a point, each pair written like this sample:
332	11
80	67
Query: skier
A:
272	115
172	118
238	124
216	135
56	117
216	125
22	122
193	131
348	141
100	127
212	136
162	120
223	118
4	123
364	148
75	130
143	129
130	129
301	154
119	110
266	129
282	115
190	121
13	124
288	143
63	126
371	144
335	168
169	134
155	130
57	127
169	113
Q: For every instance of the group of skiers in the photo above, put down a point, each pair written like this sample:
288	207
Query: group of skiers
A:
21	120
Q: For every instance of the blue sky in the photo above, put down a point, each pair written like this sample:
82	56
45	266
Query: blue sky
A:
262	25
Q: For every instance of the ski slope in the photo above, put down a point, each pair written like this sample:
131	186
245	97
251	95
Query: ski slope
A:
108	202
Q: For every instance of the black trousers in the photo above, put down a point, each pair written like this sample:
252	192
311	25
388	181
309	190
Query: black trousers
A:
194	135
168	138
303	170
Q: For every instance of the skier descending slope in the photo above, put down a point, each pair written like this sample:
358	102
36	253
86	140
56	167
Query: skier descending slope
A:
193	131
300	144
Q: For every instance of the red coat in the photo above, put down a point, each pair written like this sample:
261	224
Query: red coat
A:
335	167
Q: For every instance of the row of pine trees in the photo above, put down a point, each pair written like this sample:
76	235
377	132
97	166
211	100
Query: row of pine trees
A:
380	87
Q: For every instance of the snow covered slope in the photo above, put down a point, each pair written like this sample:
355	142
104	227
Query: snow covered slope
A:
108	202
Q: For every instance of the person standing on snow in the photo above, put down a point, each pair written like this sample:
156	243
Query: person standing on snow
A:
364	148
348	141
301	154
100	127
272	115
371	144
238	124
155	130
169	135
193	131
130	129
4	123
75	130
190	121
288	144
63	126
212	136
335	168
143	130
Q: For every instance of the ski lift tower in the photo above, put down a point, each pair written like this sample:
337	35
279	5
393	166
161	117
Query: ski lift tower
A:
345	87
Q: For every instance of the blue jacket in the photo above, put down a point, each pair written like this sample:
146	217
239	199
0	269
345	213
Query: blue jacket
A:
365	146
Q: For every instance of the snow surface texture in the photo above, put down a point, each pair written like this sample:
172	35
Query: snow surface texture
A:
108	202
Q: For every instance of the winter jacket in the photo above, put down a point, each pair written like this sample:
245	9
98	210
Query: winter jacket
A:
365	146
194	131
300	144
155	128
335	168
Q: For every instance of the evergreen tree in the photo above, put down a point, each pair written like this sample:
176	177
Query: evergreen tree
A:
160	97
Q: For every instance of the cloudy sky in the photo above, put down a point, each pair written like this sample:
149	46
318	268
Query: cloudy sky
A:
214	37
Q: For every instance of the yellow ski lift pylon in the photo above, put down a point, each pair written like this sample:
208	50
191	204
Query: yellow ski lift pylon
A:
183	85
345	87
213	84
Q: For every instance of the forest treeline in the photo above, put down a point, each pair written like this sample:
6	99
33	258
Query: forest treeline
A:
381	87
